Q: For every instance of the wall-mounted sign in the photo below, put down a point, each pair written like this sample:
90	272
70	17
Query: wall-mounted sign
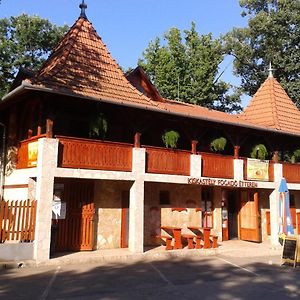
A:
257	169
32	154
223	182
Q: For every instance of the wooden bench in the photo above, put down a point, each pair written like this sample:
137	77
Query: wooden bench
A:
190	239
168	239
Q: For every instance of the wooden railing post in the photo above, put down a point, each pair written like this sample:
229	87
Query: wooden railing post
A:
194	146
137	140
275	157
236	152
49	128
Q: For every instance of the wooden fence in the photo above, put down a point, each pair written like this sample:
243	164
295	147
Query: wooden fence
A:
17	220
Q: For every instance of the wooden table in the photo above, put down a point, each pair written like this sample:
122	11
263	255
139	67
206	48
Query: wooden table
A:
206	234
176	234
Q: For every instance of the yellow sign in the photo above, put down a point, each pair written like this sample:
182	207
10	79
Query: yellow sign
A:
257	169
32	154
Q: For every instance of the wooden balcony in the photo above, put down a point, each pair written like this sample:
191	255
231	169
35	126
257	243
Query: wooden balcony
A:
94	154
167	161
219	166
291	172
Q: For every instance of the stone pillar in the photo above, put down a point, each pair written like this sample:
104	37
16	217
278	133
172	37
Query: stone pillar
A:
274	205
196	165
274	219
238	169
136	202
46	165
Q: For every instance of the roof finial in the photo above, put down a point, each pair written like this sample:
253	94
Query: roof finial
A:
270	70
83	7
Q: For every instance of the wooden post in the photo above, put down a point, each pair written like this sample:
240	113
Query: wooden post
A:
49	128
236	152
137	140
194	146
275	157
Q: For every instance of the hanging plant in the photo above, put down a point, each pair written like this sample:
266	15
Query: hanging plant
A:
218	144
170	139
296	156
259	152
98	126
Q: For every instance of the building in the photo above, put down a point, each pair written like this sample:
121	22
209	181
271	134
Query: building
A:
85	142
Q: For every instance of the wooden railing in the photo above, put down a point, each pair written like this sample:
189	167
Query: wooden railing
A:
24	158
214	165
291	172
17	220
167	161
94	154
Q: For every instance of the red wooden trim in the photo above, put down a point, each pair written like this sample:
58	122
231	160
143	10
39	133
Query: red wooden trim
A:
198	209
15	186
291	172
268	223
180	209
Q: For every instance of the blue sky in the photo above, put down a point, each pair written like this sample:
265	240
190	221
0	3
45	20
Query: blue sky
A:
127	26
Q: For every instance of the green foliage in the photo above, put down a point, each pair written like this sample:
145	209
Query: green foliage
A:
170	138
186	68
272	35
26	42
98	126
218	144
259	151
296	156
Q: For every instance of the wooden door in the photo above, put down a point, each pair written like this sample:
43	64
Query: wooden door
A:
125	219
76	231
207	207
249	217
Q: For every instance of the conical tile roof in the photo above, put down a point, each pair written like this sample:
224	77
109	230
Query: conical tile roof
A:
82	65
271	107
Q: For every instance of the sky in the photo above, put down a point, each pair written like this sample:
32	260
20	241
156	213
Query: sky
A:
127	26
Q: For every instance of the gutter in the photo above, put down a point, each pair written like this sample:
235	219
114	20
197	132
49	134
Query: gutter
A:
28	86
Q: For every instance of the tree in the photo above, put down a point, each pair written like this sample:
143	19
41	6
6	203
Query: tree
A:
186	69
25	42
272	35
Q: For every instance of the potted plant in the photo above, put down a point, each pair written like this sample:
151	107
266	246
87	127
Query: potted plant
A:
295	156
218	144
170	139
259	152
98	126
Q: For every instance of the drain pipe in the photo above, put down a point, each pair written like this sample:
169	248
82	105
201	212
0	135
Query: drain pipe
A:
2	174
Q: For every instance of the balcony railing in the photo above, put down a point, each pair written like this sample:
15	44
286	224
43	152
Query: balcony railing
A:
94	154
214	165
167	161
291	172
27	153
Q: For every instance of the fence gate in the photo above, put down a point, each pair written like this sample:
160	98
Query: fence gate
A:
17	220
76	231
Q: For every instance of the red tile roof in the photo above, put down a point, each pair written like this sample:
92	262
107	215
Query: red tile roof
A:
82	65
271	107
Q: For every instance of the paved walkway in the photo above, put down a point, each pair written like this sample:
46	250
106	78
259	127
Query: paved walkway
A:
233	248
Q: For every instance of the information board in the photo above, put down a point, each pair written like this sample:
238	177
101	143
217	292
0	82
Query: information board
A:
289	252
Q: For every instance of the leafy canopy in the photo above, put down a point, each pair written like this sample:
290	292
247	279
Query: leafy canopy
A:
186	68
26	42
272	35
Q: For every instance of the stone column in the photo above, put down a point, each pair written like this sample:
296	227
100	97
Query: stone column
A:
136	202
274	205
196	166
46	165
238	169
